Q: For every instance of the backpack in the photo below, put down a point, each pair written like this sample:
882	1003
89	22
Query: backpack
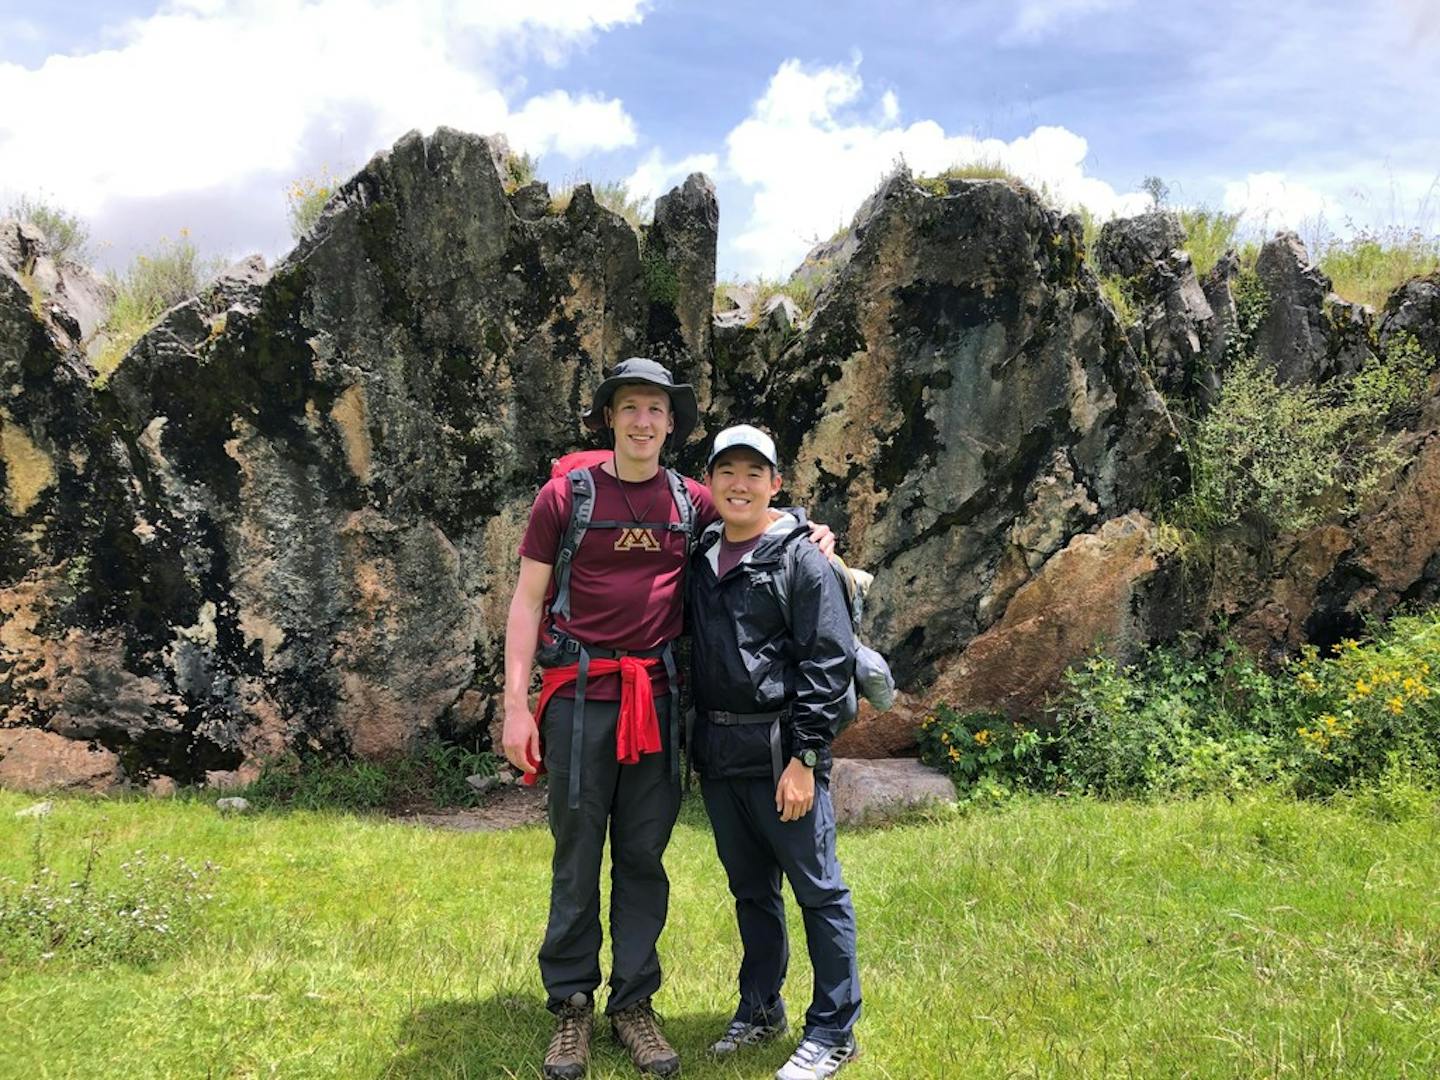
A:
873	680
576	468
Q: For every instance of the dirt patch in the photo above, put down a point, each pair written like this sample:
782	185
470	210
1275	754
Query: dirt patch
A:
506	808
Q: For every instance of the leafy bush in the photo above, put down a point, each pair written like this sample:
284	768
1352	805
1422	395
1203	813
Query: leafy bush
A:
1271	455
1172	723
1370	266
1370	710
68	235
983	749
307	198
1364	720
433	776
157	280
149	911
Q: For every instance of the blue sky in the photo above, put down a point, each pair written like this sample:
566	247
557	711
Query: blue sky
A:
150	117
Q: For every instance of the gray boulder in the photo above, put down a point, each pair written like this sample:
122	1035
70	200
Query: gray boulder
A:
871	792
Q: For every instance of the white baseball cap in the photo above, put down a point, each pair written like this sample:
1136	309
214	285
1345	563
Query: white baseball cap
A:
744	435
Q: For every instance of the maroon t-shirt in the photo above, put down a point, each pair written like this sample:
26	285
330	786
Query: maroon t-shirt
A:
729	555
626	585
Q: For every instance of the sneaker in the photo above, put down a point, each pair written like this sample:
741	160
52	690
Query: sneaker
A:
814	1060
741	1034
638	1029
569	1051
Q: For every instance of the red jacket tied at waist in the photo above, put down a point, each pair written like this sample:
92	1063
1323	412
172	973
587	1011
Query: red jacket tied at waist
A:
638	729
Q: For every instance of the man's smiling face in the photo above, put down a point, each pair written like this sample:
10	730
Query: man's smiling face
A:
642	420
742	484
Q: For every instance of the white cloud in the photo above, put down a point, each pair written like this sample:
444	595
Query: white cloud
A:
1269	201
206	93
810	166
654	176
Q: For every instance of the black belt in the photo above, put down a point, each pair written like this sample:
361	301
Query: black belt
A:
733	719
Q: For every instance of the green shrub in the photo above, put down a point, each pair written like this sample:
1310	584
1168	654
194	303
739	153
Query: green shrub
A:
157	280
981	749
1371	710
1208	235
1280	457
432	776
307	198
1369	267
147	908
1172	723
67	234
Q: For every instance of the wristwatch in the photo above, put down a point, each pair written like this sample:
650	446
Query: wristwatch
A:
808	758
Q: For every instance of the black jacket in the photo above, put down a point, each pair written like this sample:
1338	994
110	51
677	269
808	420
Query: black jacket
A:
746	659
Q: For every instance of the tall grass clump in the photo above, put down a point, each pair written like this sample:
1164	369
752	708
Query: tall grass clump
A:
613	195
1208	235
518	170
1367	268
136	912
66	233
156	281
978	169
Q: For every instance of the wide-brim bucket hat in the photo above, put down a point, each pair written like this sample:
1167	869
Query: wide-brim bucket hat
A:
641	370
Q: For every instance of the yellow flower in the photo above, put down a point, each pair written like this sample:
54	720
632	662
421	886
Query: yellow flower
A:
1396	704
945	737
983	736
954	754
1329	720
1362	687
1350	643
1307	681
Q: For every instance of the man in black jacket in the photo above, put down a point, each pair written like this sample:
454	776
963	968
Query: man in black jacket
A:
771	676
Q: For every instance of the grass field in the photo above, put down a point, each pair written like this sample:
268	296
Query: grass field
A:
1262	938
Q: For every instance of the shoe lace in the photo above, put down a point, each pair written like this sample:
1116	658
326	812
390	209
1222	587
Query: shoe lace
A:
809	1052
745	1034
646	1028
568	1030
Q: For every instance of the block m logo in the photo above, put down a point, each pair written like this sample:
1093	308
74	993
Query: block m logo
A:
636	538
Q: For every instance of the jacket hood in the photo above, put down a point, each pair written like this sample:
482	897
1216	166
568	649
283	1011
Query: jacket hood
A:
791	525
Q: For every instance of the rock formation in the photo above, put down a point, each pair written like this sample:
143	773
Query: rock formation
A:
288	520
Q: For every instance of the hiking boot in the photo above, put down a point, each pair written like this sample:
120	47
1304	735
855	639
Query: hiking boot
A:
638	1029
741	1034
813	1060
569	1051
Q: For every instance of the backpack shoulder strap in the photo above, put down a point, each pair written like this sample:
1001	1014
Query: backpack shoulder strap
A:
582	509
686	505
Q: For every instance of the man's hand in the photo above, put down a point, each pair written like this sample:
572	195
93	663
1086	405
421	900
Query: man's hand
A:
521	738
795	794
823	538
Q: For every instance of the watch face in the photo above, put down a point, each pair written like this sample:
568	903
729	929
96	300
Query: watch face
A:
808	758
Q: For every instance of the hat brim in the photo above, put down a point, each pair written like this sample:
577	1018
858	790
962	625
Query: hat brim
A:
683	405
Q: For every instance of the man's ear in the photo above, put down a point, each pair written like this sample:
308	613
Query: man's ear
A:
775	481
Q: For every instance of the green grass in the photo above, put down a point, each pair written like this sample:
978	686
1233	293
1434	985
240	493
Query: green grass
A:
1046	939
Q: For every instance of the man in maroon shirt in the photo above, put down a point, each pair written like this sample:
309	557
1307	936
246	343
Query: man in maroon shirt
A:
625	606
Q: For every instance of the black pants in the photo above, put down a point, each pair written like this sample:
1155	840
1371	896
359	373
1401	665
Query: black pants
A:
638	804
756	848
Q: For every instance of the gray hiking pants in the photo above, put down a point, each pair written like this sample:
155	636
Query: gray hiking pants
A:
637	804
